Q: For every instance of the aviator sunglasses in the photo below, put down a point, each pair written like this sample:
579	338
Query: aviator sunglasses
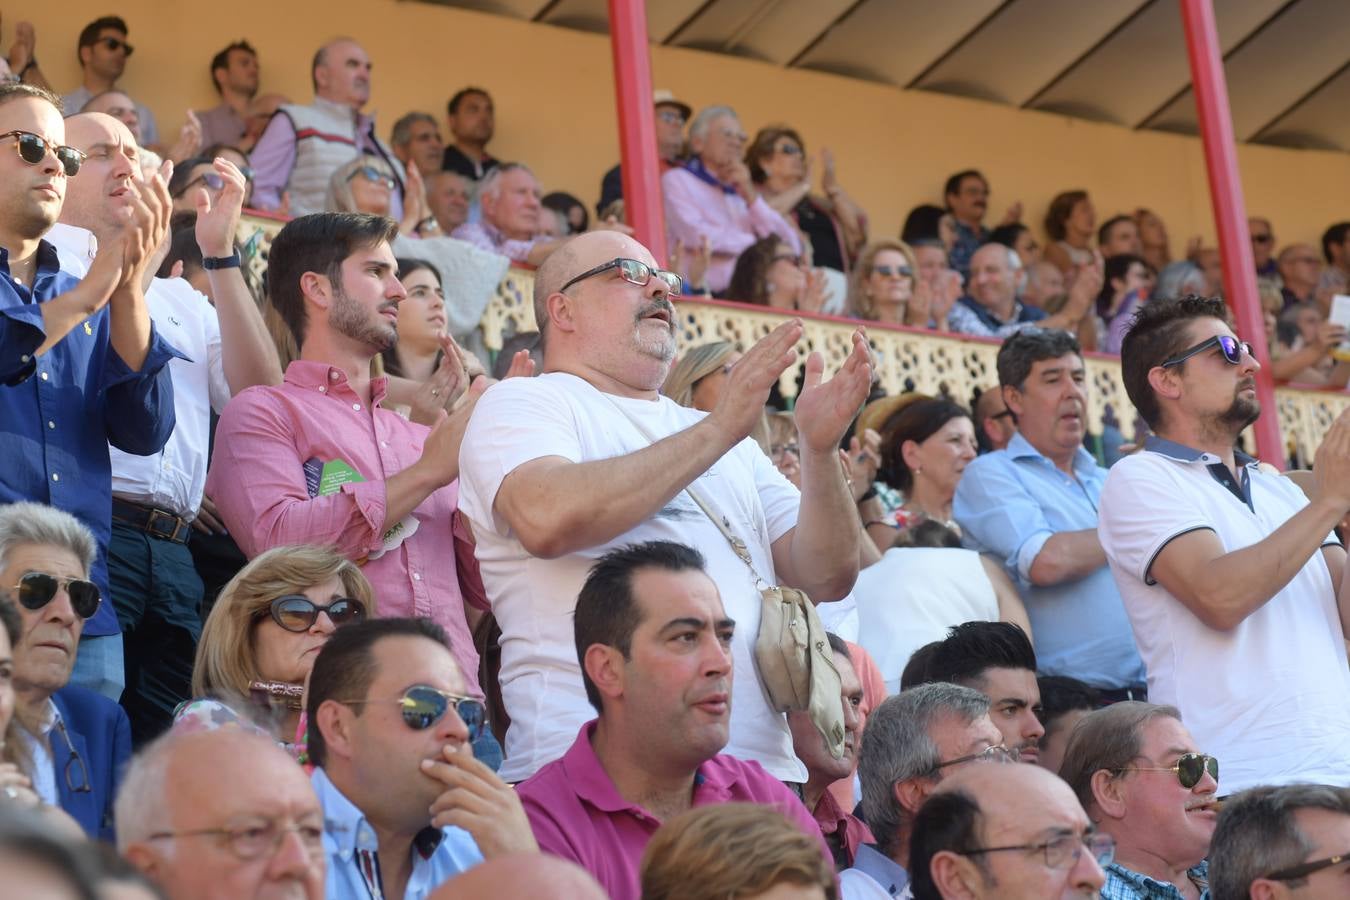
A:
33	150
1231	347
36	589
1190	768
423	706
298	613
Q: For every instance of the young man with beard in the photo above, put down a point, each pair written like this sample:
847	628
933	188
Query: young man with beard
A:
317	460
1232	578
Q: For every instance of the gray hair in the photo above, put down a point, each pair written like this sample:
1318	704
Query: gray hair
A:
402	133
1180	278
706	116
1257	834
1029	346
1109	739
35	523
896	746
339	197
491	185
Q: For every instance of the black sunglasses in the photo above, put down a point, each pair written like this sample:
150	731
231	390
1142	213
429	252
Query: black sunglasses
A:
1190	768
1231	347
298	613
1303	870
36	589
115	44
1262	238
423	706
212	180
373	175
632	271
33	150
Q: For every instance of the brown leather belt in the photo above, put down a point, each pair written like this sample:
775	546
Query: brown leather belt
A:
154	522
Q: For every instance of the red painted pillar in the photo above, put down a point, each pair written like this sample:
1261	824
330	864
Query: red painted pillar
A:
637	124
1230	215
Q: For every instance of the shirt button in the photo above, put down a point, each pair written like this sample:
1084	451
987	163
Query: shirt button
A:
51	424
356	406
323	389
55	477
332	376
384	443
43	375
417	576
25	358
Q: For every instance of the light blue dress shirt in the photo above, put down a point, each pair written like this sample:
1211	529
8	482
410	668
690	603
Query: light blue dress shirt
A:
349	845
1008	504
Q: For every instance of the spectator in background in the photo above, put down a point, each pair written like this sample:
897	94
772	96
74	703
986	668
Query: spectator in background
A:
1153	242
367	185
259	114
234	73
509	195
926	444
771	273
222	815
471	118
1033	506
834	225
1070	223
118	105
1007	834
1018	237
1064	702
699	377
712	196
1277	842
738	850
671	116
575	219
912	742
78	741
304	145
197	172
1211	264
103	51
884	287
966	196
654	644
1336	251
994	422
1263	247
1302	351
1044	286
991	308
1128	283
1300	272
1214	555
416	141
1137	772
926	222
1119	235
40	860
448	197
944	285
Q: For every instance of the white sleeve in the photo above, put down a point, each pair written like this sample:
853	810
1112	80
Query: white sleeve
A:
1145	505
217	383
779	498
514	422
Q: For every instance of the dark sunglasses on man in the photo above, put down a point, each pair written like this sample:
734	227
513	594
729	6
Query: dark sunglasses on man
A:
422	706
36	589
212	180
298	613
115	44
33	150
1232	349
1190	768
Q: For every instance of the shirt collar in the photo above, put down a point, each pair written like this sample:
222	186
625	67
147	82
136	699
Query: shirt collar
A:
695	166
1182	453
346	826
1021	448
314	374
1151	887
47	261
881	868
78	242
591	783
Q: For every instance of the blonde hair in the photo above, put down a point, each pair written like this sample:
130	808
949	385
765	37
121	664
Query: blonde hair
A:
225	661
859	303
731	850
782	428
696	364
339	197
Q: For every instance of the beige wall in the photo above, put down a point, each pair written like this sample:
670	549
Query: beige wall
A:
555	109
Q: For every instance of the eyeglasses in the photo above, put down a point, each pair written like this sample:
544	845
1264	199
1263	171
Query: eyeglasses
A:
1302	870
788	149
670	116
246	172
33	150
115	44
632	271
36	589
1190	768
1262	238
1232	349
776	451
423	706
739	137
254	840
80	783
374	176
298	613
998	753
1063	851
212	180
894	271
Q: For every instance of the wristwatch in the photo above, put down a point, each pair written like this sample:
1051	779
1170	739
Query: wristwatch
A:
221	262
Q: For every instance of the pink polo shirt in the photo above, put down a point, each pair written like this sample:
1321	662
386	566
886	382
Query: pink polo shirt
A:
257	480
577	812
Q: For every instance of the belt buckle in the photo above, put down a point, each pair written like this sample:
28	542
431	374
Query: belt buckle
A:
155	529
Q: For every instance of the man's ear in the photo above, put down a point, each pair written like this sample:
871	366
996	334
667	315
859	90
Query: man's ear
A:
912	792
1012	398
561	309
955	876
1109	793
334	721
316	289
604	666
144	858
86	53
1165	382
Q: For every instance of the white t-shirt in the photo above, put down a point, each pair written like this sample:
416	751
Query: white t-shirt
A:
912	596
1271	697
522	419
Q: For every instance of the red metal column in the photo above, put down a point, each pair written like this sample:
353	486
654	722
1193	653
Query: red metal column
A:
637	124
1230	216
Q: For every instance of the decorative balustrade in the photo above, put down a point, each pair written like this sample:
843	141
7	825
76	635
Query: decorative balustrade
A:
907	358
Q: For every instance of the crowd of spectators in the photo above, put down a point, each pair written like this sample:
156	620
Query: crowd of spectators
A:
304	593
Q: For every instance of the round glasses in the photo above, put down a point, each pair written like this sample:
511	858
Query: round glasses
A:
298	613
36	589
33	150
422	706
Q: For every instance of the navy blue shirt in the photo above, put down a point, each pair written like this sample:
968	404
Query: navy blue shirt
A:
59	411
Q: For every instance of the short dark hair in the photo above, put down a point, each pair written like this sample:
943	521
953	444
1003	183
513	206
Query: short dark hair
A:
1007	235
947	821
953	185
916	421
222	59
971	648
922	225
183	246
1258	834
915	672
345	667
317	243
453	106
563	203
1029	346
838	645
1061	695
182	173
1108	738
750	277
17	90
1158	333
607	611
1336	234
928	533
89	33
1058	214
1104	233
1117	267
762	147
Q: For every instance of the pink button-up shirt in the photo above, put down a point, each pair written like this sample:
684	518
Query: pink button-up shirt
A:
257	480
577	813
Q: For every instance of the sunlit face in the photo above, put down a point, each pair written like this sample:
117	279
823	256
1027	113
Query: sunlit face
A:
344	75
103	60
364	307
1123	238
970	200
425	147
371	194
785	279
722	145
809	744
707	391
1014	705
288	656
1214	391
31	195
786	161
932	263
103	193
890	283
956	738
474	119
421	316
1328	835
1051	405
448	197
1167	820
993	280
943	456
1083	218
50	637
514	206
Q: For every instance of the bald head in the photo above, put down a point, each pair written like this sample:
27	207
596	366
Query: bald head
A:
523	875
341	72
577	255
87	128
993	784
103	194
